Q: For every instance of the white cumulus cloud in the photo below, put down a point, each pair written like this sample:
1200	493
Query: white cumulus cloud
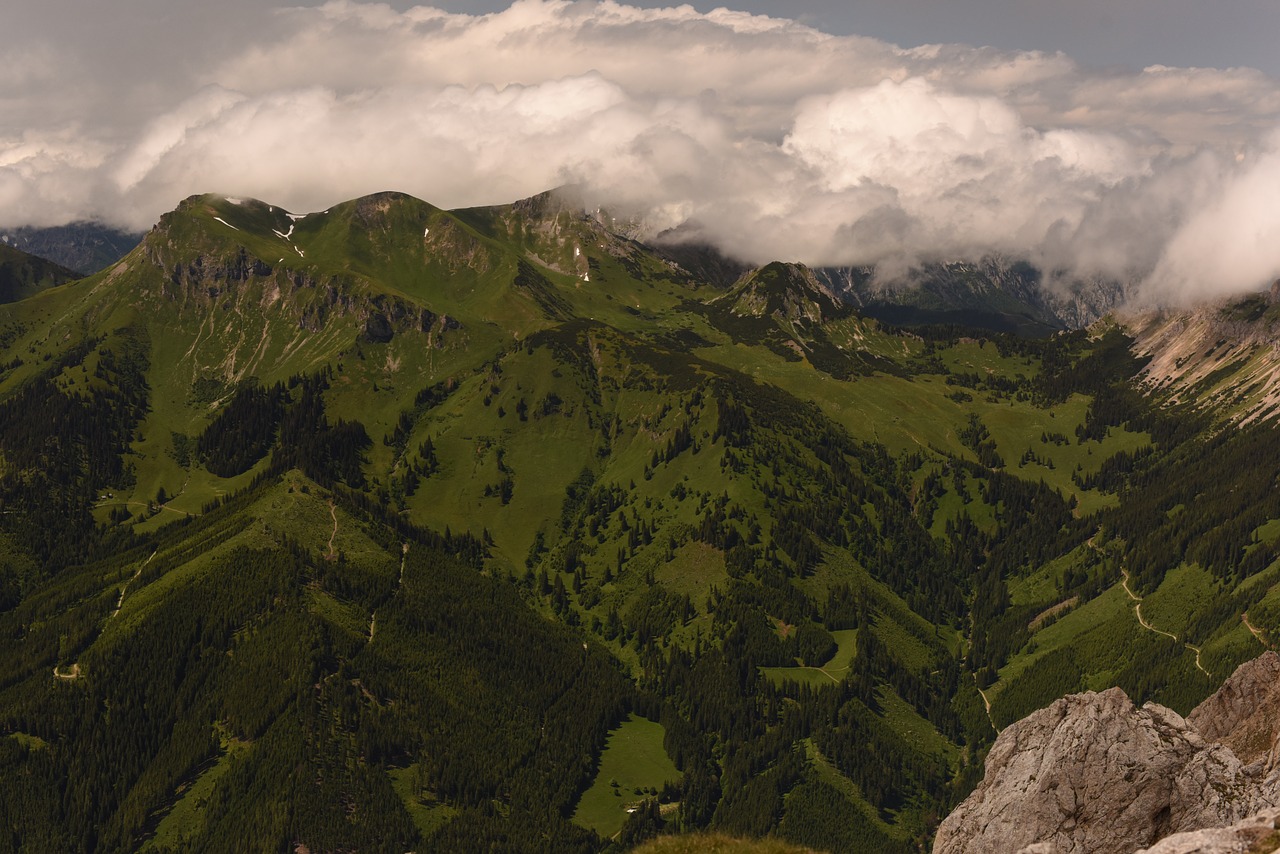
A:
762	135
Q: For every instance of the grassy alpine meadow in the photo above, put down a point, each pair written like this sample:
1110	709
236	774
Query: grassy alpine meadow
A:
633	766
185	819
825	674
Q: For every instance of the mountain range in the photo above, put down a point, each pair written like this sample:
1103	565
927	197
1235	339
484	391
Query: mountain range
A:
84	247
388	527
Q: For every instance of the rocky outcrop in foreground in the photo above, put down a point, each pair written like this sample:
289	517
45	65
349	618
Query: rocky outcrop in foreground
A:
1259	834
1092	772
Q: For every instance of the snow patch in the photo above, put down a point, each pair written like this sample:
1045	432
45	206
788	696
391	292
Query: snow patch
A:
296	217
425	232
235	201
227	224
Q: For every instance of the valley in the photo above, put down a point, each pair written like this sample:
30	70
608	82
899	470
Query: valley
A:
394	528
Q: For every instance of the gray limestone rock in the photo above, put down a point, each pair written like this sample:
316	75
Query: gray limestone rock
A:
1258	834
1093	773
1244	714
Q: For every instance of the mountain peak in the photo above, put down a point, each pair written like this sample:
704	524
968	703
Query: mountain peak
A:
786	291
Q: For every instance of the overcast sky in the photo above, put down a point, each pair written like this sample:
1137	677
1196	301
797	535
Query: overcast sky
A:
1137	139
1132	33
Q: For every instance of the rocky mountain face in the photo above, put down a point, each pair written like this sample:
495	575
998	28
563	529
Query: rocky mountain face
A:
1258	834
788	292
1224	355
84	247
1092	772
995	293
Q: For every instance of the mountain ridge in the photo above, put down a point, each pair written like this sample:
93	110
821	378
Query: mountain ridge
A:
84	247
23	274
810	561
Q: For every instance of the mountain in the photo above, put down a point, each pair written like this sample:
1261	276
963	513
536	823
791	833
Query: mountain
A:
1221	356
85	247
21	275
1094	773
993	293
387	527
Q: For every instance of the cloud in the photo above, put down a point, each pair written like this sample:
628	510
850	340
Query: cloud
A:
769	138
1231	243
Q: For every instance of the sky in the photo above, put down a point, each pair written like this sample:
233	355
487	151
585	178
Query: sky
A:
1137	140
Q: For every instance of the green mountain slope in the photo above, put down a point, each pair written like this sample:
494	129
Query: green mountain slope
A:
22	275
366	529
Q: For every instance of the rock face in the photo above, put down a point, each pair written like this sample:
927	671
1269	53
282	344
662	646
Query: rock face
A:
1094	773
1221	357
1259	834
1244	714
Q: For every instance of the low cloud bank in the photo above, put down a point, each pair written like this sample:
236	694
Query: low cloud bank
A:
765	137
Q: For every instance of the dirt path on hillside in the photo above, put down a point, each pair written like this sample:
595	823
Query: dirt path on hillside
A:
1137	610
333	511
815	669
986	703
373	618
145	504
73	669
73	672
1254	630
125	587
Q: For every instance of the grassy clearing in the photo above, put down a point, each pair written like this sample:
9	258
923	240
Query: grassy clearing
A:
1111	608
1267	532
30	742
953	504
908	723
903	414
905	647
695	570
428	814
633	766
344	615
186	819
832	776
830	673
1019	428
1184	590
708	843
838	567
295	507
1043	585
